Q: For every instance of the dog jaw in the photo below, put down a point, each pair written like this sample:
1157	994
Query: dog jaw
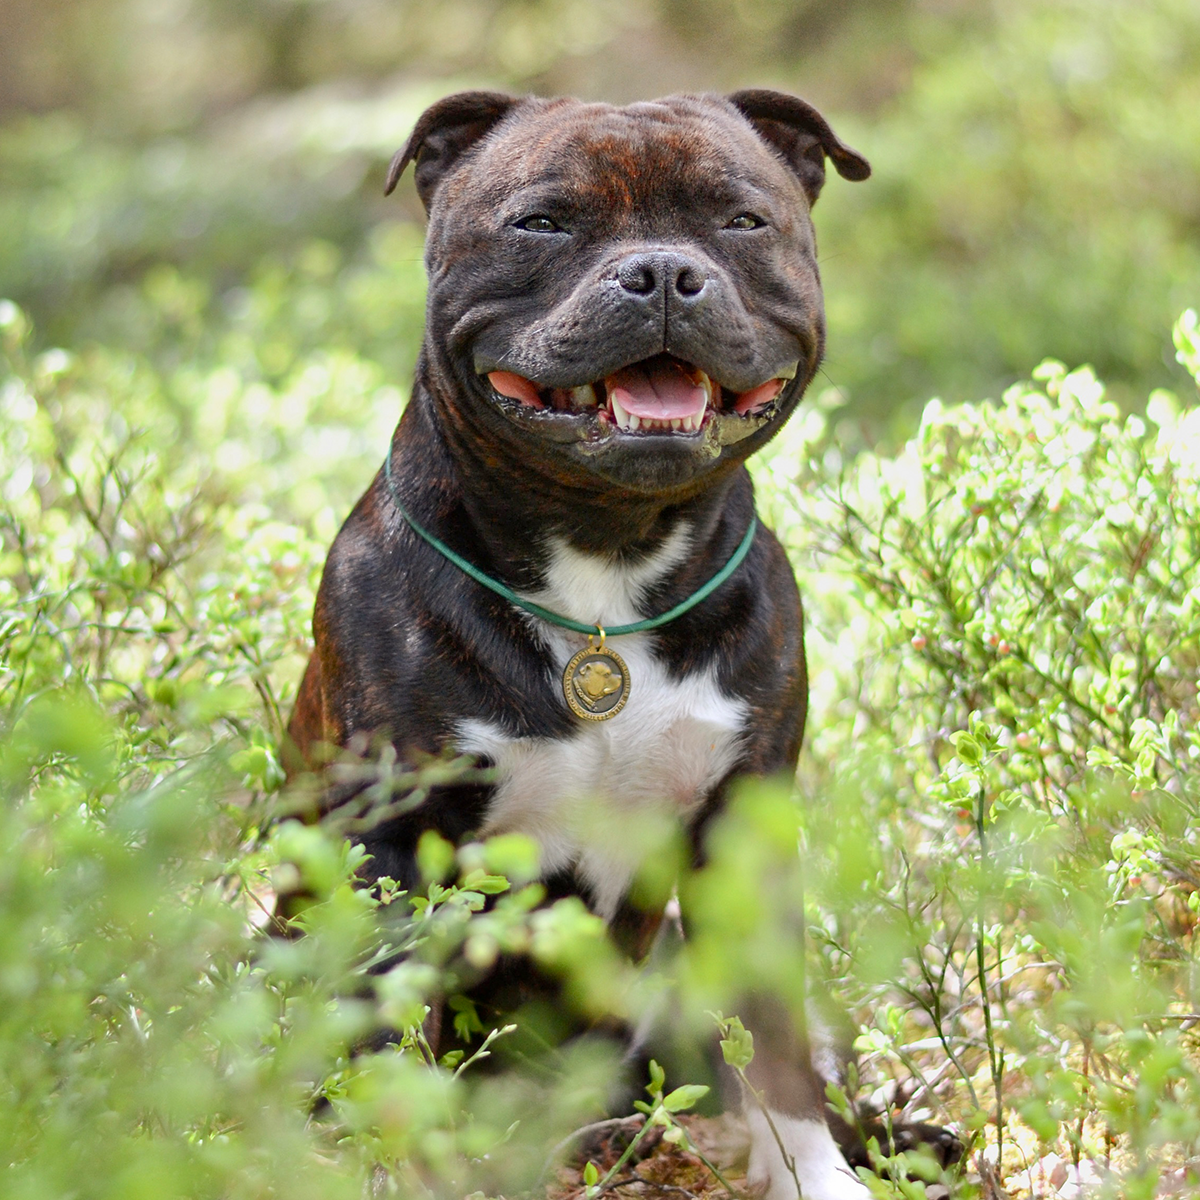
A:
658	395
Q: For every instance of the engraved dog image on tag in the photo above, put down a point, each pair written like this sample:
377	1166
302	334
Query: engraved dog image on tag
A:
596	683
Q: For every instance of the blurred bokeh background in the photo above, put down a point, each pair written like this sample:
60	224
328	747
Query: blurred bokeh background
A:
174	171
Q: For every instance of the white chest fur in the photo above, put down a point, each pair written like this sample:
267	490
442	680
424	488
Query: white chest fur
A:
582	798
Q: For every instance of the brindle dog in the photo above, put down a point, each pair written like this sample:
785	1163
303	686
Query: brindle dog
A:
624	304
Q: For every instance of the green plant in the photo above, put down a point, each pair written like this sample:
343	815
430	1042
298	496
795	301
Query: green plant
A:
153	615
997	840
1005	648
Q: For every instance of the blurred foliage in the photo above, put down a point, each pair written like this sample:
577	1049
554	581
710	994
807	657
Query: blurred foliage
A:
1035	189
1035	192
1005	761
153	611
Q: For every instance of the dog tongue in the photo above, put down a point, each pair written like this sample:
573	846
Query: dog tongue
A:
657	389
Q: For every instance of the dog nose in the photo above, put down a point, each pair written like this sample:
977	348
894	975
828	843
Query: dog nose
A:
648	274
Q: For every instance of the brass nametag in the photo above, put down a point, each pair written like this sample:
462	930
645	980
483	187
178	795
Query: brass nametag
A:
596	683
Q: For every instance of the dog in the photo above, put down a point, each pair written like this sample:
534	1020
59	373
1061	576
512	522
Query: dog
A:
624	305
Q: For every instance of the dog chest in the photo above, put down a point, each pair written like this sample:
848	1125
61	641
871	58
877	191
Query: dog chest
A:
591	800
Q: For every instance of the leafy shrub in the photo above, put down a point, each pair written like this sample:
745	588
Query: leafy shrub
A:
1022	202
1000	787
154	611
1004	755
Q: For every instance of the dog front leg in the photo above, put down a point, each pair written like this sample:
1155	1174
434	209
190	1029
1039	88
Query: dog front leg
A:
792	1151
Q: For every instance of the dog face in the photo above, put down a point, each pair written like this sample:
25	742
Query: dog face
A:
628	295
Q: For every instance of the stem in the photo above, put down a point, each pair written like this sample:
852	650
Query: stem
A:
424	1047
715	1170
788	1160
641	1133
934	1008
483	1051
574	1136
995	1058
1076	1150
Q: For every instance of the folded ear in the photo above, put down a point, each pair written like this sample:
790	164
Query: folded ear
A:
798	132
443	134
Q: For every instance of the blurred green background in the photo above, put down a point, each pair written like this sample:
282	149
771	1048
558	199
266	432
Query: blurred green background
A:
173	172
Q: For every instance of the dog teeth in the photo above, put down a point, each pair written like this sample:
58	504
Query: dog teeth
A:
632	423
626	420
584	397
694	423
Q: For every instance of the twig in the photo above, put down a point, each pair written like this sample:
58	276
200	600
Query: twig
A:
594	1127
483	1051
789	1160
716	1171
995	1057
638	1181
633	1145
577	1135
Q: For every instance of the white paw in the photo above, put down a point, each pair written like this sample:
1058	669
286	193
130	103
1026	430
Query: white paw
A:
820	1169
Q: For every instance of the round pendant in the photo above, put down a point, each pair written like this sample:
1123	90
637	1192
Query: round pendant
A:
596	683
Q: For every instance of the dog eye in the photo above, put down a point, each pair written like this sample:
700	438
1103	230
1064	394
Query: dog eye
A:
745	221
538	224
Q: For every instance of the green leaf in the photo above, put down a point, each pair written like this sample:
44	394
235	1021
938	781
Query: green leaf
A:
466	1019
435	857
737	1047
967	748
838	1100
682	1098
657	1079
489	885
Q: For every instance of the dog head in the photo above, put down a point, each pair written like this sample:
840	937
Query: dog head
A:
628	294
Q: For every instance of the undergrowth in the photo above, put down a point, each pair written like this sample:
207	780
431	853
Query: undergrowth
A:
997	833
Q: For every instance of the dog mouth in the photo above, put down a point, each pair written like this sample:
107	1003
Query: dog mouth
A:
662	395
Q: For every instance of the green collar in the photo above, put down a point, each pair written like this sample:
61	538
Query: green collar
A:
554	618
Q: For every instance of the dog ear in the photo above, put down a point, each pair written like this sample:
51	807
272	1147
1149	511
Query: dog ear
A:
443	133
801	135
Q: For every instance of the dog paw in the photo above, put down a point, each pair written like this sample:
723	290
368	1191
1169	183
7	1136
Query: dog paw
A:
813	1167
944	1146
838	1184
756	1188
